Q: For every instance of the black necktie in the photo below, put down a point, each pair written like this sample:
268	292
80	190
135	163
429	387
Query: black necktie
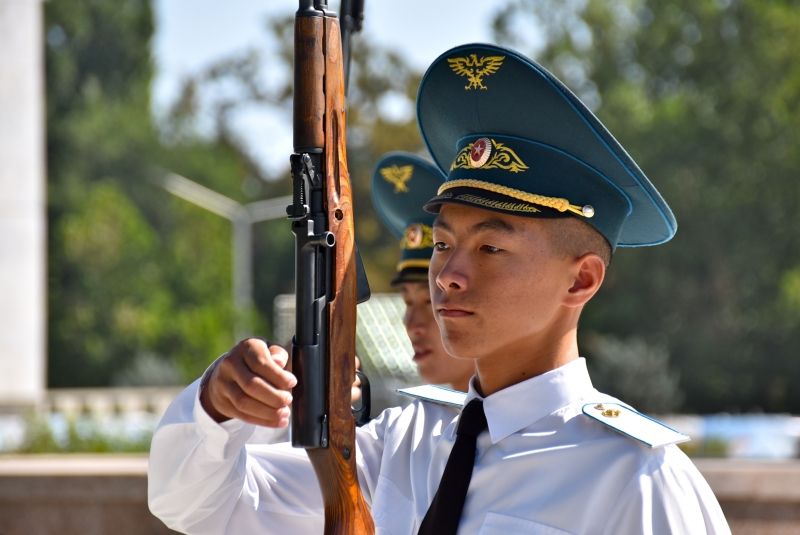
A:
445	511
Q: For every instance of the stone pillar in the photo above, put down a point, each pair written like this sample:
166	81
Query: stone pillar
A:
22	205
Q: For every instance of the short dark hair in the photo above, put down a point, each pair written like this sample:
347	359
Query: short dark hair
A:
574	238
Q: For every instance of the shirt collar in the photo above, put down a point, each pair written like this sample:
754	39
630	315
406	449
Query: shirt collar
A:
538	396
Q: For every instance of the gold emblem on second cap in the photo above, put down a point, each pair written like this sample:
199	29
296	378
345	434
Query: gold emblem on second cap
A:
417	236
414	236
398	176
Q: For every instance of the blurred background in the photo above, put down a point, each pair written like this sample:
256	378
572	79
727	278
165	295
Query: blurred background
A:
144	156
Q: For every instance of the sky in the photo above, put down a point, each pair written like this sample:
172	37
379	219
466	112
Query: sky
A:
193	33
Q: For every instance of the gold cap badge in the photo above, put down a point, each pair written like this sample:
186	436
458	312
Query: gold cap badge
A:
398	175
475	68
480	152
417	236
488	154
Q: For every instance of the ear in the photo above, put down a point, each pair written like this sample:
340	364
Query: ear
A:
590	270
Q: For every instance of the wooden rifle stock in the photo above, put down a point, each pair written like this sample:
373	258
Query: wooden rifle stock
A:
323	355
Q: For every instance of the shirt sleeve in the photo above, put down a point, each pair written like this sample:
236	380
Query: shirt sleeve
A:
204	477
667	495
211	478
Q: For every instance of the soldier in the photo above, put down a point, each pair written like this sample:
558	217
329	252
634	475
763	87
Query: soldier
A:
401	184
538	197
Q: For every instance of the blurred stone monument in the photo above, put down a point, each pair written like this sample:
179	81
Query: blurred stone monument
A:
22	205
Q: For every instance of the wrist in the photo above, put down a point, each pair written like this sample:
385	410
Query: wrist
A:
205	396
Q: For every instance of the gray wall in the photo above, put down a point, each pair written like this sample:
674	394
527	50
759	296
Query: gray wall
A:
106	494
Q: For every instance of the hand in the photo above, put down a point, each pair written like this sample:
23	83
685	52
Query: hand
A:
355	390
250	383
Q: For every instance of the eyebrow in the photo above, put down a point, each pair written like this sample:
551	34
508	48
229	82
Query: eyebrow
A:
492	223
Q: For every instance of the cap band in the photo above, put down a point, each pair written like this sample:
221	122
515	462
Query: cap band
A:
556	203
413	263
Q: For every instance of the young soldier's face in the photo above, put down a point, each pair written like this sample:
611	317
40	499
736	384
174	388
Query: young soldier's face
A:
434	365
497	283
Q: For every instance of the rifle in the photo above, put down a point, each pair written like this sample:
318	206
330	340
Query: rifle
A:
326	271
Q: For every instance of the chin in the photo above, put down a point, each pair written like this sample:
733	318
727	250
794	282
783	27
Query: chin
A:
460	347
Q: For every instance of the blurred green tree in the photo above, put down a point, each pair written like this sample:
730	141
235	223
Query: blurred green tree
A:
139	281
124	283
634	371
705	94
380	118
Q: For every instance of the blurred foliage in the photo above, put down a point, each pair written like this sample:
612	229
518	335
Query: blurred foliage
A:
634	371
79	437
379	76
709	447
139	281
131	270
703	93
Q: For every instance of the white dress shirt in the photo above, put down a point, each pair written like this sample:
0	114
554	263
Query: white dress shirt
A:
542	468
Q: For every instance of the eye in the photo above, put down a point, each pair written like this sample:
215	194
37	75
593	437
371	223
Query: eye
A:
491	249
440	246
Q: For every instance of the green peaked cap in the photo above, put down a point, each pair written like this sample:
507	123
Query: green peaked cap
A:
401	184
514	139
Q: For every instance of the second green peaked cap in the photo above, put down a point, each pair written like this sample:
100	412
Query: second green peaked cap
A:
401	184
512	138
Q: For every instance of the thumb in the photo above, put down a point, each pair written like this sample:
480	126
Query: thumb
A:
279	355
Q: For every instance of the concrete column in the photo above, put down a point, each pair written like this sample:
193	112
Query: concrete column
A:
22	205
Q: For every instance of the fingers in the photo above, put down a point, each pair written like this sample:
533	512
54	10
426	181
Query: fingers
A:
250	384
279	355
255	385
243	407
355	395
355	389
267	362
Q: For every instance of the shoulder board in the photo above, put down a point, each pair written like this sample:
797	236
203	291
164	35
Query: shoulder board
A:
634	424
435	394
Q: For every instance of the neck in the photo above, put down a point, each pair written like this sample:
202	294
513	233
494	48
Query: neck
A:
462	384
523	359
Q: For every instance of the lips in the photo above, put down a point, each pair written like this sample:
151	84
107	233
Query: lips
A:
451	311
421	349
420	354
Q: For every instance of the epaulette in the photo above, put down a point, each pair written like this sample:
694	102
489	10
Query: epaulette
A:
634	424
435	394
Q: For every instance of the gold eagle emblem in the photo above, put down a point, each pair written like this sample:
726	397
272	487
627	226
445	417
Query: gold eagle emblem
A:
501	157
398	176
475	69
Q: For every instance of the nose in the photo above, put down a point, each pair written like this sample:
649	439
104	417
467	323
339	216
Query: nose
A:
452	276
414	319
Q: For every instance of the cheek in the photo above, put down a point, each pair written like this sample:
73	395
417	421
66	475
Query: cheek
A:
501	284
434	269
431	331
435	336
432	287
514	296
406	318
426	313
